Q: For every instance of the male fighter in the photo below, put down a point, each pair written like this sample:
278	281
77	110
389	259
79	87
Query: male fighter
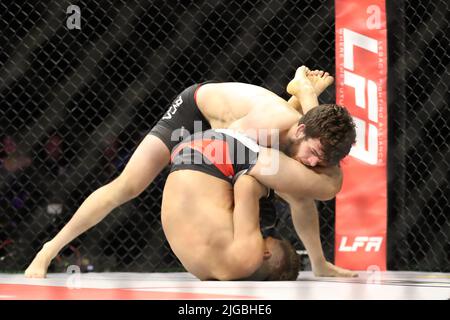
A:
212	227
243	107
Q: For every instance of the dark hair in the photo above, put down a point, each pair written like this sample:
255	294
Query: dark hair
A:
289	266
333	125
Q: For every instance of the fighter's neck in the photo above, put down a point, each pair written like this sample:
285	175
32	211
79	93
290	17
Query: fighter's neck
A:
276	139
283	138
273	138
267	138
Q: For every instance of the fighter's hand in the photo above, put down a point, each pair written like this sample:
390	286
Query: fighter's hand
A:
300	83
327	269
39	265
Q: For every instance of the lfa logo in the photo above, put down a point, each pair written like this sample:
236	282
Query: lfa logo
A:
74	19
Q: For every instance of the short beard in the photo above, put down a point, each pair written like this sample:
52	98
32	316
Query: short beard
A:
289	148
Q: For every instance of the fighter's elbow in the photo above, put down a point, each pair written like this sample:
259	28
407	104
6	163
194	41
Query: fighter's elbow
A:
328	193
329	190
335	187
325	197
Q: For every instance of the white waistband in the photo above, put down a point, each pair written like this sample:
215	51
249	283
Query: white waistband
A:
246	141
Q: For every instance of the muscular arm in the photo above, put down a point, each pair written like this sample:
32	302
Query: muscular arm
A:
245	253
305	219
304	213
285	175
299	186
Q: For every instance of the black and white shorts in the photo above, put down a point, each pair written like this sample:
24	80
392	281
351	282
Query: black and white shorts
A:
182	118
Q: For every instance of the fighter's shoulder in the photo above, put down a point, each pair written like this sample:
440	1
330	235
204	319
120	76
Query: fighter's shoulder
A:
234	88
275	112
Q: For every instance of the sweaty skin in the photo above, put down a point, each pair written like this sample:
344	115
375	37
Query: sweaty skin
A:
210	239
247	108
222	105
212	230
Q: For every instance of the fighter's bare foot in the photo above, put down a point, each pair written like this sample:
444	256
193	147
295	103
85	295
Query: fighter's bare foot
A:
320	80
38	268
300	82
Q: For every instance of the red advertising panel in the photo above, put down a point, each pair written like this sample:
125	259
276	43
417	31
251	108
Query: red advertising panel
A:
361	75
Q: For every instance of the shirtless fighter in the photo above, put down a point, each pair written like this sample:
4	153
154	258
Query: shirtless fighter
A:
243	107
212	227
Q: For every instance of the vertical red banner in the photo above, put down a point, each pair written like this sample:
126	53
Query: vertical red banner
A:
361	84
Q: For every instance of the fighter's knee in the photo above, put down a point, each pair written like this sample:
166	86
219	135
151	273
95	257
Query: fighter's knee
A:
132	190
125	189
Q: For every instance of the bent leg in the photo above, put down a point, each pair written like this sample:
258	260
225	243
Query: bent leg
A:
150	157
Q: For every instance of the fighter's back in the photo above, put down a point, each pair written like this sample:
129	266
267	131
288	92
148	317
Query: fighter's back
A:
224	103
196	216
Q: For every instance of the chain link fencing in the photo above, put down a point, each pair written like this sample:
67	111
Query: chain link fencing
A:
419	211
75	103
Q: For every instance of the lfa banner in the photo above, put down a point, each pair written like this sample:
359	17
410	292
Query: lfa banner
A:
361	75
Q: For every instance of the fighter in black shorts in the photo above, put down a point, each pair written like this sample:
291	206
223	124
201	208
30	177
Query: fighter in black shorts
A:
242	106
182	119
221	153
213	235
